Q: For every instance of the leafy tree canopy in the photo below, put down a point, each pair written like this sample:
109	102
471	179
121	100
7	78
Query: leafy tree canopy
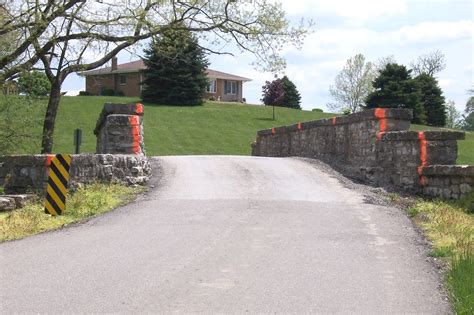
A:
352	85
176	69
394	88
34	83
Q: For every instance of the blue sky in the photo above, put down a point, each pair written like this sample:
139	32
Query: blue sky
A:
405	29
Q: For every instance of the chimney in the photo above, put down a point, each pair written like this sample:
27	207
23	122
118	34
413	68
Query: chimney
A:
114	63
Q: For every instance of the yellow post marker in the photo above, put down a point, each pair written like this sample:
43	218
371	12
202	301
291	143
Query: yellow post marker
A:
58	179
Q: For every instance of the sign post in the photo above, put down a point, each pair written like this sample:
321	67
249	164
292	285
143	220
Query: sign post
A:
77	140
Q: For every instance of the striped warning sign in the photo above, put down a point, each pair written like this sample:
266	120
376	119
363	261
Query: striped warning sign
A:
57	184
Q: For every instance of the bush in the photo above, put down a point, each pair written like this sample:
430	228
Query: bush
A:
319	110
84	93
108	92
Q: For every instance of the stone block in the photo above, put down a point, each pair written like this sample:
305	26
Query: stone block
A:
7	203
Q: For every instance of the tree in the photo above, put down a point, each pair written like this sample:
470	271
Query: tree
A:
468	117
292	98
352	85
273	93
176	70
432	99
34	83
453	116
281	92
431	63
394	88
60	34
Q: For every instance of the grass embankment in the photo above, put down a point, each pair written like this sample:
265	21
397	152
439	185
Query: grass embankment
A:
450	228
86	202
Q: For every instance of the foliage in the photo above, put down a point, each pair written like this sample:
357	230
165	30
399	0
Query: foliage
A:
432	99
352	85
176	70
468	117
18	117
453	116
108	92
394	88
34	83
281	92
317	110
85	202
292	98
59	34
429	64
273	93
84	93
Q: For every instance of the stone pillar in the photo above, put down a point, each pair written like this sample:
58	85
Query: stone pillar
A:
119	129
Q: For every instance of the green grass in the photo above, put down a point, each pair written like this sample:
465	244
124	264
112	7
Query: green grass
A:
86	202
450	228
214	128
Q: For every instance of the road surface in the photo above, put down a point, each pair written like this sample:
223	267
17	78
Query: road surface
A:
229	235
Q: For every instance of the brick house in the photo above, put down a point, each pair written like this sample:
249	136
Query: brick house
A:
126	78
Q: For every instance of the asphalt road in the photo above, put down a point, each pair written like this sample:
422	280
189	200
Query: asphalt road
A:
229	235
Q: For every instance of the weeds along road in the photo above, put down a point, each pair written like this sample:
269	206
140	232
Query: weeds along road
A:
230	235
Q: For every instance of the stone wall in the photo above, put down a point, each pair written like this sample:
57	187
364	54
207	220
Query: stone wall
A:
29	173
373	146
119	129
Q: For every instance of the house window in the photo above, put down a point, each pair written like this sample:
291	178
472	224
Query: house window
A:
230	87
211	86
123	79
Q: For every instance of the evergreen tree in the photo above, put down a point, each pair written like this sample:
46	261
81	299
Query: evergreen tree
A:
394	88
432	99
176	70
292	98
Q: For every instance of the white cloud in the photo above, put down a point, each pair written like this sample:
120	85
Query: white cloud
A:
356	11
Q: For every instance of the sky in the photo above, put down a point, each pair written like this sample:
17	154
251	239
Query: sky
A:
404	29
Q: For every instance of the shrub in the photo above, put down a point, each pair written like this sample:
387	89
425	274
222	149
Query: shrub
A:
319	110
108	92
84	93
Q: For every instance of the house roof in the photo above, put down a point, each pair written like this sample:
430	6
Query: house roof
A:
139	65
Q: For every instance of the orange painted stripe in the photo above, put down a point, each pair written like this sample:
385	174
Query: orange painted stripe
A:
49	158
423	157
380	115
299	126
139	108
334	120
273	131
134	122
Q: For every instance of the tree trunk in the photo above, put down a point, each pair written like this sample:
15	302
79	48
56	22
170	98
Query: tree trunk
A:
50	117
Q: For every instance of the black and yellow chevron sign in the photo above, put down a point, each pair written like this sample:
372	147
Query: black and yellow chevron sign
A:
57	184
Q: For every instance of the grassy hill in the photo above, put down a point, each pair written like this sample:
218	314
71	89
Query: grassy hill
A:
214	128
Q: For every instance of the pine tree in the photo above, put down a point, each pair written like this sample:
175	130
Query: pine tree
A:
292	97
394	88
176	70
432	99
